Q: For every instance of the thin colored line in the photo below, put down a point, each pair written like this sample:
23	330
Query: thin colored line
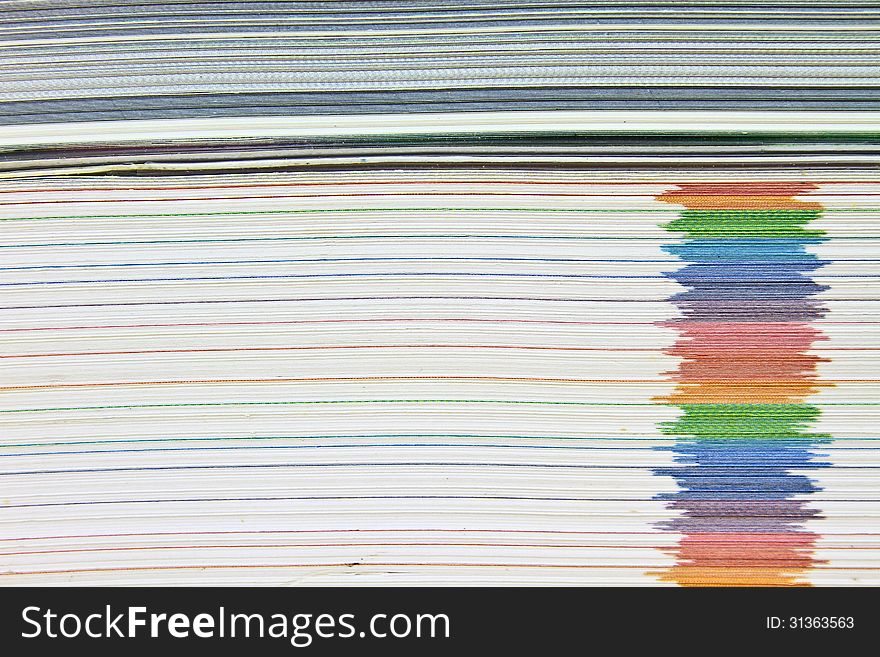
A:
365	194
387	346
378	319
329	446
821	448
759	579
247	532
662	438
658	239
127	548
373	259
665	382
418	182
740	282
399	464
658	210
522	498
401	401
674	261
364	298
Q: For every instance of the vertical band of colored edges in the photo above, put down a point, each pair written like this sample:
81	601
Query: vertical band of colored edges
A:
744	375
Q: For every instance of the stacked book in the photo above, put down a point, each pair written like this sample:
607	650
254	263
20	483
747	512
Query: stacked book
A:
446	293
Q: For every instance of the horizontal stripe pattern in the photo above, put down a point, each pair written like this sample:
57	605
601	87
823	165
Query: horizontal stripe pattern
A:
102	61
434	292
436	406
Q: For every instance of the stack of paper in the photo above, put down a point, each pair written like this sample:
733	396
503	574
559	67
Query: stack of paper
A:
439	293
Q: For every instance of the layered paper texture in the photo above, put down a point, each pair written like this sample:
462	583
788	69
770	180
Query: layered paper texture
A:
391	293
